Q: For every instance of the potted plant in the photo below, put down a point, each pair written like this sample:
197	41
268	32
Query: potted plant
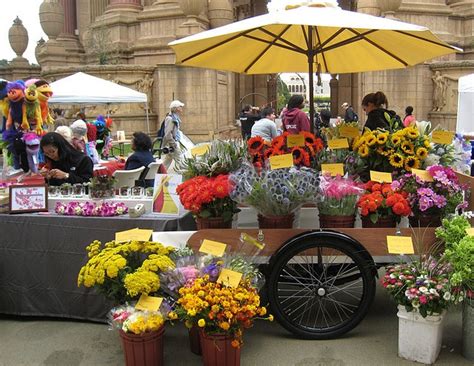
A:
65	189
209	201
431	200
221	313
380	206
337	201
275	194
459	251
123	271
101	187
422	292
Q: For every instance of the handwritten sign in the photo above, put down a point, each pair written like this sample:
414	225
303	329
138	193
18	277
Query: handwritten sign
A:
212	247
334	169
281	161
400	245
422	174
150	303
338	144
442	137
200	150
470	231
133	234
295	140
349	131
380	177
229	278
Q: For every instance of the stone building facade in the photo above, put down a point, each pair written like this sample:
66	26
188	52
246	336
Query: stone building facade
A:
125	41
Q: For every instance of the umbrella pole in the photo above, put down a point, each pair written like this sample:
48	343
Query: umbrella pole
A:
311	79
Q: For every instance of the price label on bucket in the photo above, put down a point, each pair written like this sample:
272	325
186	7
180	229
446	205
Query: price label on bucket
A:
442	137
281	161
422	174
380	177
212	247
295	140
229	278
150	303
400	244
333	169
338	144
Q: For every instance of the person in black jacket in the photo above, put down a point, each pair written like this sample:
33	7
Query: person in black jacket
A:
64	164
375	106
141	144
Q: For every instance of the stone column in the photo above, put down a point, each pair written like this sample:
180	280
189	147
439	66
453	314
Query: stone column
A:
334	85
97	8
70	19
368	7
127	5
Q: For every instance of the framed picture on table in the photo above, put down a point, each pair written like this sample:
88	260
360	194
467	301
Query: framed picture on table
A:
28	198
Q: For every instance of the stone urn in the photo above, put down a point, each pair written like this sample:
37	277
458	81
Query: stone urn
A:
18	37
389	7
51	16
192	8
220	13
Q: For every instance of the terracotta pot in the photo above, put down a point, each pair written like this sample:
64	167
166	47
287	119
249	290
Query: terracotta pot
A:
276	222
217	350
335	221
194	340
143	349
423	220
386	221
212	223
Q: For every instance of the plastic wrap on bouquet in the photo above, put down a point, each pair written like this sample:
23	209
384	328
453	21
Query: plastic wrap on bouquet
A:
184	273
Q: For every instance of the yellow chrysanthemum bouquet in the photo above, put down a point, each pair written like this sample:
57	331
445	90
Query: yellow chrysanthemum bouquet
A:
123	271
401	150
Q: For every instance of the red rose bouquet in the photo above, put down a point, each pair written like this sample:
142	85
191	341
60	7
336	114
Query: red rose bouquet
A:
208	197
381	201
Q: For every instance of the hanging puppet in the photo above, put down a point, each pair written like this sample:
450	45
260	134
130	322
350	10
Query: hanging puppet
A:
44	93
33	110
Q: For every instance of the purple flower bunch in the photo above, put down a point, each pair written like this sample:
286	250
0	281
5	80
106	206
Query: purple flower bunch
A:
440	196
176	278
104	209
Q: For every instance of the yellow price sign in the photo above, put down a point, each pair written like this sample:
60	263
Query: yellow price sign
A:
338	144
470	231
400	245
349	131
422	174
295	140
150	303
442	137
380	177
334	169
133	234
281	161
229	278
200	150
212	247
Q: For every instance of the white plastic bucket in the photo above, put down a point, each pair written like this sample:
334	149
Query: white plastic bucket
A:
419	339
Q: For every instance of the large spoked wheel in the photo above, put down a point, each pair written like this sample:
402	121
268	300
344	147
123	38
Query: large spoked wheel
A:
321	287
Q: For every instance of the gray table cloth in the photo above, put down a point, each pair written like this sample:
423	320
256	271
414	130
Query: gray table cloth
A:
41	255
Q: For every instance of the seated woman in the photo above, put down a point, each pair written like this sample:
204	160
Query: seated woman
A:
64	164
141	144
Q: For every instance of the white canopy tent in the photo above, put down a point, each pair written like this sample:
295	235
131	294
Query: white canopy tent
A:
81	88
465	120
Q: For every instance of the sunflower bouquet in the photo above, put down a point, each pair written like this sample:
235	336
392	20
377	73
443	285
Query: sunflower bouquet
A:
303	155
219	309
401	150
123	271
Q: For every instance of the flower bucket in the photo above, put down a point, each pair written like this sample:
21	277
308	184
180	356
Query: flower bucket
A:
335	221
419	339
276	222
386	221
423	220
217	350
143	349
212	223
468	329
194	340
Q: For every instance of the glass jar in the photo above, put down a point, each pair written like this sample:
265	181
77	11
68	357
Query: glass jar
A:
137	192
65	190
124	192
149	192
78	190
53	191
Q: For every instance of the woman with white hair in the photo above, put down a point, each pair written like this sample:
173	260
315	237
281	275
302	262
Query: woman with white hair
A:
79	140
170	143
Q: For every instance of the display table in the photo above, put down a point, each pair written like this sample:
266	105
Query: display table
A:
41	255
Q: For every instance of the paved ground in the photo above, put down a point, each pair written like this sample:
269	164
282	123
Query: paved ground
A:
33	341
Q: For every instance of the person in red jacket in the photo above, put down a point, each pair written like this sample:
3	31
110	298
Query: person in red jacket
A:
295	120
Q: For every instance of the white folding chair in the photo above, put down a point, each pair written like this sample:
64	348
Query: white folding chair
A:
153	169
127	178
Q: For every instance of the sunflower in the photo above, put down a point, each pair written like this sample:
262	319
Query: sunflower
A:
278	142
396	140
255	144
309	138
371	140
300	156
427	143
396	160
382	151
411	163
382	138
357	142
422	153
408	148
269	152
363	151
412	132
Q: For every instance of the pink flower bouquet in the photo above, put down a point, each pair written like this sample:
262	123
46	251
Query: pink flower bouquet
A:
338	195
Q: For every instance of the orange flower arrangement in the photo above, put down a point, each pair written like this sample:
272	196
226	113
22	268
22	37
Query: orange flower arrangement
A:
381	201
260	150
